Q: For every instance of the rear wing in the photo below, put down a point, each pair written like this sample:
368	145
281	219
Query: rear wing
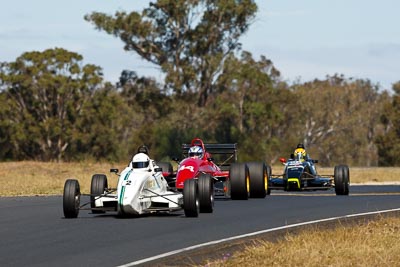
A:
222	154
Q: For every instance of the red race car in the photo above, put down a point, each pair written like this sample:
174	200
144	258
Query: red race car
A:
230	179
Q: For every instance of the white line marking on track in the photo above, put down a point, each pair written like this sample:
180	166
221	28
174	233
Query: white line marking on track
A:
157	257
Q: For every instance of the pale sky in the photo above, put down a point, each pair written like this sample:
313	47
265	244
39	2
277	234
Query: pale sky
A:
305	39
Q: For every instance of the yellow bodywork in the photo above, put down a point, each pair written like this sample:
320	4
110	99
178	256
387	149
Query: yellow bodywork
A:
295	180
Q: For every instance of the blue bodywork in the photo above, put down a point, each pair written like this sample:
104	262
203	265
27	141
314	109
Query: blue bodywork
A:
299	176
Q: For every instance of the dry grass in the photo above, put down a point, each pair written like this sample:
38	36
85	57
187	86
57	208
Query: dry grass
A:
373	174
41	178
373	244
29	178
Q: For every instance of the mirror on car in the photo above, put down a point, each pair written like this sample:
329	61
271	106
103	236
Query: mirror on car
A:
158	169
315	160
114	170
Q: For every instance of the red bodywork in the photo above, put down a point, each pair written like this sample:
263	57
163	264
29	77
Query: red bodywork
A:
190	168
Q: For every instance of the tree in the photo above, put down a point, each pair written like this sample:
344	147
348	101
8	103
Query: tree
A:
247	109
388	140
188	39
45	93
338	119
144	96
105	128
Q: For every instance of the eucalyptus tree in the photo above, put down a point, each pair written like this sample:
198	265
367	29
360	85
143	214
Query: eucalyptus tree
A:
104	130
338	119
188	39
44	93
149	106
388	140
248	109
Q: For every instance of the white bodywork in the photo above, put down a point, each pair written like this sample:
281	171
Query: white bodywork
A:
142	190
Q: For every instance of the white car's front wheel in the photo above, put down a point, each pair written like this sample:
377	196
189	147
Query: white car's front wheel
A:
191	198
206	193
71	198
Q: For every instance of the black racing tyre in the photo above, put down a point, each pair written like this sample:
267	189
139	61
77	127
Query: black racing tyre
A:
240	181
269	173
167	168
98	185
342	180
206	193
71	198
191	198
258	179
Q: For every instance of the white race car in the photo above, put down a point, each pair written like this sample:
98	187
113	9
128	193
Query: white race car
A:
141	189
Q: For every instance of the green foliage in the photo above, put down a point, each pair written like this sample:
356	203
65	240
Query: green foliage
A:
388	140
246	106
338	120
103	129
45	92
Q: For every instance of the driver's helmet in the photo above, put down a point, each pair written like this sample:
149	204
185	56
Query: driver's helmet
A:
140	161
300	145
300	154
143	149
196	151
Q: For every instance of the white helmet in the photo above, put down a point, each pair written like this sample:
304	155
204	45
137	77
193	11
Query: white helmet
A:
140	161
196	151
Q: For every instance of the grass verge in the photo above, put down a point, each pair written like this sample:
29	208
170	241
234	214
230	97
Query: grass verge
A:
372	244
29	178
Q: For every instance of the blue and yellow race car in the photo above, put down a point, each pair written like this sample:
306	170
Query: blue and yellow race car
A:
301	175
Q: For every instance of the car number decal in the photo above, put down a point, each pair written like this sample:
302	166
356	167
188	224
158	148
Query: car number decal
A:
126	182
183	167
121	196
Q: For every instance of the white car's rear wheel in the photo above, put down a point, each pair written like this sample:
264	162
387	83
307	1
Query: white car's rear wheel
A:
98	186
168	172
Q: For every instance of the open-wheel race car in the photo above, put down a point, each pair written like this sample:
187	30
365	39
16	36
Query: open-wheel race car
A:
301	175
218	163
141	189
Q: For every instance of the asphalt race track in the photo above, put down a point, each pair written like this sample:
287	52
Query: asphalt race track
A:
33	231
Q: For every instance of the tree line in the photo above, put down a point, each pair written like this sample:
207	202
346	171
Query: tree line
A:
53	107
